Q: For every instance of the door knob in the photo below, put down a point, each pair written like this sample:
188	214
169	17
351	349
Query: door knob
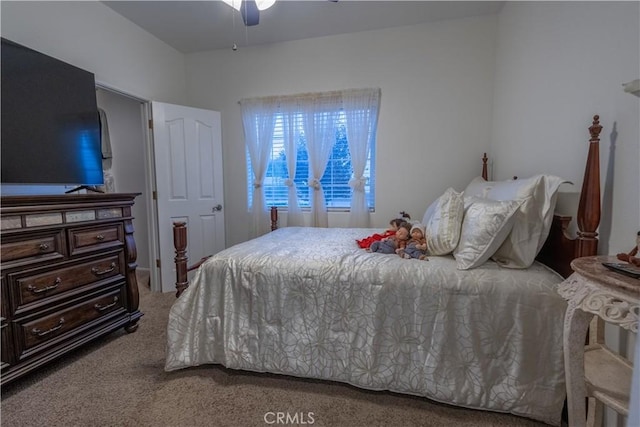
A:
216	208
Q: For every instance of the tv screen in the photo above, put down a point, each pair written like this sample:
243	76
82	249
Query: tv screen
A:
49	120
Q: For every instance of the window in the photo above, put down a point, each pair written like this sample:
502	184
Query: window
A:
328	133
335	181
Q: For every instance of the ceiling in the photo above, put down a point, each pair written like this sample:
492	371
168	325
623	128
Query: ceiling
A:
194	26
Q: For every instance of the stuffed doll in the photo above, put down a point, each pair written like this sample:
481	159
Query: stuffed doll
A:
417	245
394	224
631	257
388	245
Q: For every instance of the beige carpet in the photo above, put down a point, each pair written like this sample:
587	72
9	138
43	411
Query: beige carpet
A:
120	381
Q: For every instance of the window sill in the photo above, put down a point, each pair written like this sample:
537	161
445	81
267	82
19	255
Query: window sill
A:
330	210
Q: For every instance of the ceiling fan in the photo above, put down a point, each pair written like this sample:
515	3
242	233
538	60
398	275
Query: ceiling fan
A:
250	9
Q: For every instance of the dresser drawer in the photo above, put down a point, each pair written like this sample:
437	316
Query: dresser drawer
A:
82	240
6	351
32	248
35	335
37	289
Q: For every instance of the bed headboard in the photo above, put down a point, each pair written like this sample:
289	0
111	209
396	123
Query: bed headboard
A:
560	248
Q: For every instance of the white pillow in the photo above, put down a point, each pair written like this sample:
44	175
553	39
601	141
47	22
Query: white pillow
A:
429	212
444	223
486	225
478	187
533	219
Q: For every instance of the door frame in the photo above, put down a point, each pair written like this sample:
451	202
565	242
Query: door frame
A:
149	171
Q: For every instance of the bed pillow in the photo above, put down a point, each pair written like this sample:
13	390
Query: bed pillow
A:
429	212
478	187
444	223
533	219
486	225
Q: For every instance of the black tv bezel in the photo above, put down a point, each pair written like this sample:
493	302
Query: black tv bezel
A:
66	156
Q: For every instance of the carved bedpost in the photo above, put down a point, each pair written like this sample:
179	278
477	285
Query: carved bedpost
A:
180	243
485	175
131	254
588	217
274	218
560	248
181	259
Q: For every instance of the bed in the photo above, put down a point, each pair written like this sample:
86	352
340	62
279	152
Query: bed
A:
464	331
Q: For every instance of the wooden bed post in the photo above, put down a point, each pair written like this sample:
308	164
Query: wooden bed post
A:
181	259
274	218
485	175
180	243
588	217
560	248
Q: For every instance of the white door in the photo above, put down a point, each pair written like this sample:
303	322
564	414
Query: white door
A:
188	172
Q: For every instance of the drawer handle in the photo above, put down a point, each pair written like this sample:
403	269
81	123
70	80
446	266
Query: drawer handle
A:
100	237
39	333
98	272
35	290
105	307
43	246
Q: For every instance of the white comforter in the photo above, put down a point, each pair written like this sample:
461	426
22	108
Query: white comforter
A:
308	302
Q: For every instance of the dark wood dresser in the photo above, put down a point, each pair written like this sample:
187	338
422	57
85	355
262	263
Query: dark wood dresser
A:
68	267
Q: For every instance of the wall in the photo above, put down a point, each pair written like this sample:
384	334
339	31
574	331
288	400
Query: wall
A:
437	85
124	118
91	36
558	64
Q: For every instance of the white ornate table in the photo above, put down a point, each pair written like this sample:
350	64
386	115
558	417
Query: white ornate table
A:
595	371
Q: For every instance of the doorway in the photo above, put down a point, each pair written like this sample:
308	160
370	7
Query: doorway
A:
126	117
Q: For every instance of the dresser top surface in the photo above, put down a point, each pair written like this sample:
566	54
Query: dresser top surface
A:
62	199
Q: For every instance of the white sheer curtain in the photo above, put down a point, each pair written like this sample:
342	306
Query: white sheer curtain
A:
258	119
361	112
318	115
291	132
320	118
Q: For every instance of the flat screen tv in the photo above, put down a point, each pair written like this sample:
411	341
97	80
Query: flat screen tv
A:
50	124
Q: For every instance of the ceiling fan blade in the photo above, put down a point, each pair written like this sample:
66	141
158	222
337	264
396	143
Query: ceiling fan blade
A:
250	13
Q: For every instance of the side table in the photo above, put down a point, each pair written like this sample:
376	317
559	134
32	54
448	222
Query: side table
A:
595	371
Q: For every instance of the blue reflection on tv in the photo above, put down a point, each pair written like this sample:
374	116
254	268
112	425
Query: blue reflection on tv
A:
88	157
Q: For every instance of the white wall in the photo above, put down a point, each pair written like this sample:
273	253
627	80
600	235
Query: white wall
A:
558	64
91	36
437	85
